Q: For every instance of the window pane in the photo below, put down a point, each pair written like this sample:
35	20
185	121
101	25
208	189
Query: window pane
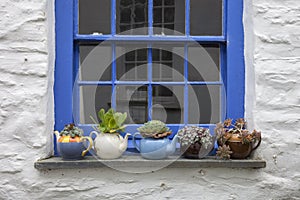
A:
167	104
169	17
206	17
132	14
95	62
204	63
167	62
132	62
134	101
94	16
92	99
204	104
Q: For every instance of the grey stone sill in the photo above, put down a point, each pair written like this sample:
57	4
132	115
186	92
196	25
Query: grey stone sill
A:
135	161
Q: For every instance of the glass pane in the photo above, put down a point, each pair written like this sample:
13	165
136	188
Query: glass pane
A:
94	16
206	17
169	17
134	101
95	62
167	62
167	104
92	99
132	62
132	14
204	104
204	63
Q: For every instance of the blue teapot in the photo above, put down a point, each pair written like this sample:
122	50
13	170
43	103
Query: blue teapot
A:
154	149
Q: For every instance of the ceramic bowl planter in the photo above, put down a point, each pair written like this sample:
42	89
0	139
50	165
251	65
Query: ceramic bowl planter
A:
235	141
154	144
195	142
109	144
70	143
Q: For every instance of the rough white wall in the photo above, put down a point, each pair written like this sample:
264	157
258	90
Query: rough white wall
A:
26	116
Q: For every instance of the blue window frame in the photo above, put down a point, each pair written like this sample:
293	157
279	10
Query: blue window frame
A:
68	39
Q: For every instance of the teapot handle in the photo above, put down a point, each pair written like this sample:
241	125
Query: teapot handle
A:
93	133
258	143
89	147
134	141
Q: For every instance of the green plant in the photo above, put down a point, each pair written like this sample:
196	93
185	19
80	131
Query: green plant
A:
192	134
111	121
71	130
154	129
228	131
224	152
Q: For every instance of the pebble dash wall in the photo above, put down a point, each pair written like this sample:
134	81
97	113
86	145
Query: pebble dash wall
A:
272	51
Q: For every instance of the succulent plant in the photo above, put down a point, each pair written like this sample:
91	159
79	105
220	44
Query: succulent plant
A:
111	121
192	134
154	129
71	130
224	152
238	131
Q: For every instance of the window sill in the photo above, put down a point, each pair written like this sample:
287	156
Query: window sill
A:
136	161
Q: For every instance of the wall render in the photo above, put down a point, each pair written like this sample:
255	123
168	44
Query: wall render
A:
26	115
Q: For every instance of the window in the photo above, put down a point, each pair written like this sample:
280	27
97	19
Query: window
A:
149	61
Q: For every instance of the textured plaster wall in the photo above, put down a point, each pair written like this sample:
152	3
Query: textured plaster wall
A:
272	29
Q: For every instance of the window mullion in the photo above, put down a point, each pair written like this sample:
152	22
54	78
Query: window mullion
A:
187	17
113	17
150	17
150	81
186	92
113	76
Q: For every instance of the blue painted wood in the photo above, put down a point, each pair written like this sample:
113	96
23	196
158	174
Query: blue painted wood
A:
186	87
148	82
76	18
113	17
187	17
113	76
150	17
153	38
63	73
235	60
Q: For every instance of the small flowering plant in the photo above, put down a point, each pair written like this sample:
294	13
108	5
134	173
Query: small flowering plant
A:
227	131
190	135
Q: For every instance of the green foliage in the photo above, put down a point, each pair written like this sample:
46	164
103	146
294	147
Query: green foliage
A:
154	129
111	121
71	130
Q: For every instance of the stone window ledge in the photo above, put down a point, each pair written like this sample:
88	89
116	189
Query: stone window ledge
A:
138	162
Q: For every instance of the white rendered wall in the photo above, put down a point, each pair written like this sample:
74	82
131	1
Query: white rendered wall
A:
272	30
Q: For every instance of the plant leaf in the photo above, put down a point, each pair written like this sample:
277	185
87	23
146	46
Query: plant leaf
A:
101	114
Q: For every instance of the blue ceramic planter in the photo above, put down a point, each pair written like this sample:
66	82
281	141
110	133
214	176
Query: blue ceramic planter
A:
155	149
72	150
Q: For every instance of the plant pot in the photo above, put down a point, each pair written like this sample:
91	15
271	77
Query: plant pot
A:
74	150
109	145
155	149
195	151
240	150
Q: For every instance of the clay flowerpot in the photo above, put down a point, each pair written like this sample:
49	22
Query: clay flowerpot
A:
195	151
240	150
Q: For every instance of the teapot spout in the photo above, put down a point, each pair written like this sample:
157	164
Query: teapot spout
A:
171	148
123	145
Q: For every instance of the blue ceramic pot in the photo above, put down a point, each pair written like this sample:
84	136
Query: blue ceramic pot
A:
155	149
73	150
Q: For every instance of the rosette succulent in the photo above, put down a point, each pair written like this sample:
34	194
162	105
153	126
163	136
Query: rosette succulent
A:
71	130
154	129
192	134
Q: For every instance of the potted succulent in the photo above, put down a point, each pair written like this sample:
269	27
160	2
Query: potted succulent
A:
195	142
155	143
109	144
234	140
70	143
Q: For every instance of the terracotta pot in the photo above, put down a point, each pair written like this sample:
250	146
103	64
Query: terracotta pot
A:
240	150
195	151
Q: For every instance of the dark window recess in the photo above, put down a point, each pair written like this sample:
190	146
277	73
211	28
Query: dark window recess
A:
206	17
94	16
